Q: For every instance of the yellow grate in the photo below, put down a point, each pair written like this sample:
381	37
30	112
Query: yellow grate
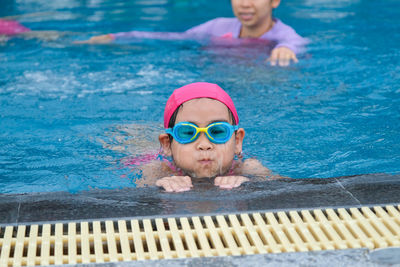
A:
199	236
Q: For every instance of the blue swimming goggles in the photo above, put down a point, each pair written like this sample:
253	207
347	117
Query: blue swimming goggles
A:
216	132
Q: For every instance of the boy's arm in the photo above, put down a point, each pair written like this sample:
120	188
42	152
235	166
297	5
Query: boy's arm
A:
286	36
149	35
151	172
108	38
206	29
289	44
194	32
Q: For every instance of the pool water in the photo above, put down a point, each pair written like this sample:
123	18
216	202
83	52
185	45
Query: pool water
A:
69	113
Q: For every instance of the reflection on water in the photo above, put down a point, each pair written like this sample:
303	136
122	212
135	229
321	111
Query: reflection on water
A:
70	113
133	139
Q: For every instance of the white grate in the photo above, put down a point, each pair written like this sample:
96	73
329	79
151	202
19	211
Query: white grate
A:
199	236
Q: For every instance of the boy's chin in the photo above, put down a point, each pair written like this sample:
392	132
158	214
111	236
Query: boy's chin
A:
210	172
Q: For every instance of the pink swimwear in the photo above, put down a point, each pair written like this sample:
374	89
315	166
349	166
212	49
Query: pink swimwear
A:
11	27
139	160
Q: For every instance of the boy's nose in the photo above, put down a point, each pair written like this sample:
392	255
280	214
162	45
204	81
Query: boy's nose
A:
203	143
245	2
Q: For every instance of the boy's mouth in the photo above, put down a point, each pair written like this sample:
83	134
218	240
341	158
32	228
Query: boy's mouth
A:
246	16
205	161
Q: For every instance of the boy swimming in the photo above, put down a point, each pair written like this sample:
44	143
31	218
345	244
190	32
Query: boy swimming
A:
253	19
203	140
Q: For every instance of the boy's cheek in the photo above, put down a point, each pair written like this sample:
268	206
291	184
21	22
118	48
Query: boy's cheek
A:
179	151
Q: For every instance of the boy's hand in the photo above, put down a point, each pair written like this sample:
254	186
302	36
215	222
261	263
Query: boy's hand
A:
100	39
282	55
175	183
229	182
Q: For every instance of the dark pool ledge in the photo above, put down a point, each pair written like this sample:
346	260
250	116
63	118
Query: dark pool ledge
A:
287	194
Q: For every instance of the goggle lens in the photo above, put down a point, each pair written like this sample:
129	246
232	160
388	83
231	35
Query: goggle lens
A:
185	132
219	131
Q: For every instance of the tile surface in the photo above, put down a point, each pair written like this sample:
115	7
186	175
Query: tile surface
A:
282	194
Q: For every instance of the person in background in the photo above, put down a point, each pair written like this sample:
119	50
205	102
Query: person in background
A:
253	20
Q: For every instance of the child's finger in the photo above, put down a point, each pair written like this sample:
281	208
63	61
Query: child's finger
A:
226	182
159	182
175	184
178	187
188	181
294	58
284	59
235	181
223	180
274	57
218	180
167	186
240	180
229	182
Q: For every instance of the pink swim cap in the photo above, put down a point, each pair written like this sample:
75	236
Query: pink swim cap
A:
197	90
11	27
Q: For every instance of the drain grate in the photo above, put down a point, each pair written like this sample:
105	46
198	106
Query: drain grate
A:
199	236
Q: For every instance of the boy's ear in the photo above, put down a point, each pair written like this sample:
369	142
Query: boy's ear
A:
275	3
239	140
165	143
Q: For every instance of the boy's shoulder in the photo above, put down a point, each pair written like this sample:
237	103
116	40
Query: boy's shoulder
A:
225	23
279	26
281	32
217	26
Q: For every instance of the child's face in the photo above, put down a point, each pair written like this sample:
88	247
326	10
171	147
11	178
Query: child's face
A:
254	13
202	158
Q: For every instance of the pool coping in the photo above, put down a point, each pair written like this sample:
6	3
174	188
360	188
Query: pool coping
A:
284	194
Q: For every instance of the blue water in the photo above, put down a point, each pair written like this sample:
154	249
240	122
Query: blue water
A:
69	113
